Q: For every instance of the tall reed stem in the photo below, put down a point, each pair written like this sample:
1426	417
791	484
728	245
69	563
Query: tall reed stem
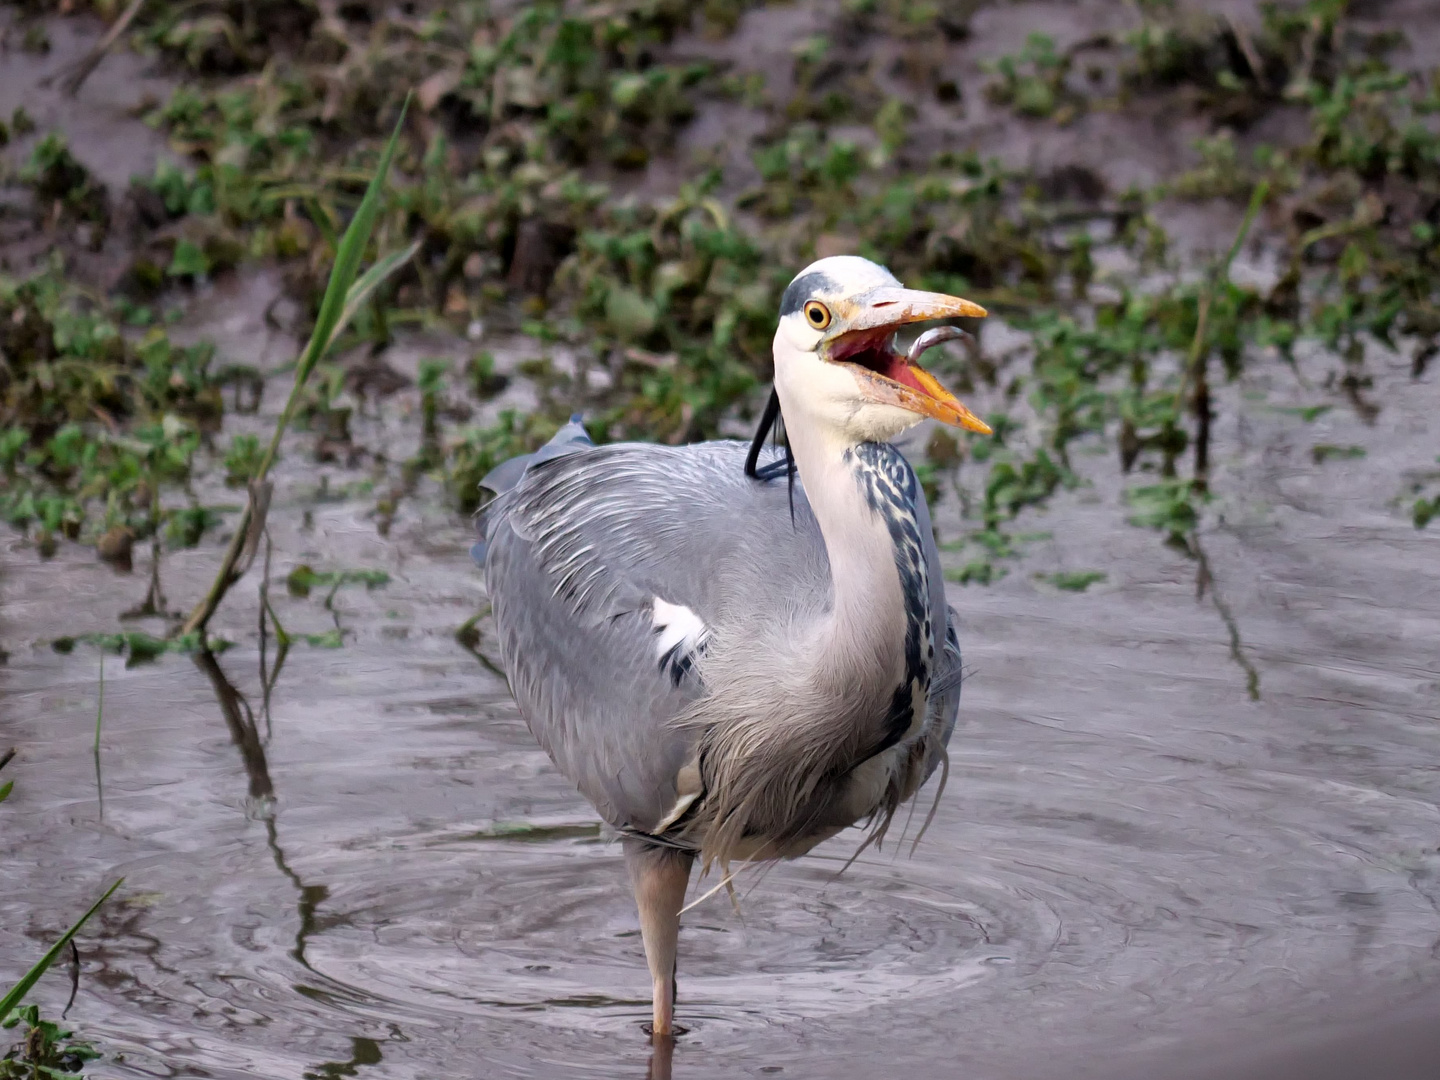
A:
343	297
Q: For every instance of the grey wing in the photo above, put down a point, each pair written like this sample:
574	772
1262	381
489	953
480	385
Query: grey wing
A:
578	553
944	700
945	687
591	692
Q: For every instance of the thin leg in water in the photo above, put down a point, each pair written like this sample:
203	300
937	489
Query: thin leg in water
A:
659	876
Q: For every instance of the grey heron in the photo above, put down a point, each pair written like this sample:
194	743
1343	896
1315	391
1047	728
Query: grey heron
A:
727	666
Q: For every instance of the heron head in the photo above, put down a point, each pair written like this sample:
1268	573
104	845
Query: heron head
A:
835	355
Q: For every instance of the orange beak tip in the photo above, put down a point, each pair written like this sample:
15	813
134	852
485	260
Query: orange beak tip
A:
945	406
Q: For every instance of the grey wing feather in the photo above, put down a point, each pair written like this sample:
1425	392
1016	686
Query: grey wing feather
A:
577	551
568	439
505	476
944	701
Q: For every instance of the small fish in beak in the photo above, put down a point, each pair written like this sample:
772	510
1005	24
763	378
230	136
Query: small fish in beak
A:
887	377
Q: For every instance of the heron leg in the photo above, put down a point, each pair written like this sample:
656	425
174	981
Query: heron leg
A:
659	876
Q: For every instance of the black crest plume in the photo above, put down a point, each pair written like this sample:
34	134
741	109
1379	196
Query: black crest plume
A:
785	466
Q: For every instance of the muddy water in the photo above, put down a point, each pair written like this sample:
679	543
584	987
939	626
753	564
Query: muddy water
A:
355	861
369	868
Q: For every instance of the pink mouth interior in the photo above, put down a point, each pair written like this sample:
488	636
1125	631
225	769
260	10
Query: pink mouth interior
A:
874	351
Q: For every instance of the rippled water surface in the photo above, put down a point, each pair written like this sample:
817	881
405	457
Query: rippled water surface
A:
370	869
356	861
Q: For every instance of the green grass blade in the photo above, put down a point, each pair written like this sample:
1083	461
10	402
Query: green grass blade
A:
337	291
333	309
100	702
366	284
347	258
1257	200
5	789
324	219
21	988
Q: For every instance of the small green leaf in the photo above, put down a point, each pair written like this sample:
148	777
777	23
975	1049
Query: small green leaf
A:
366	285
144	649
976	572
629	314
1074	580
1425	511
1324	452
301	580
1308	413
1165	506
304	577
189	261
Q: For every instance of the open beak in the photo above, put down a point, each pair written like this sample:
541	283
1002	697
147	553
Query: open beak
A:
867	345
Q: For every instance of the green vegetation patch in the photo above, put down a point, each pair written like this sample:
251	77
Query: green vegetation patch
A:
47	1051
304	578
1074	580
99	425
518	179
139	647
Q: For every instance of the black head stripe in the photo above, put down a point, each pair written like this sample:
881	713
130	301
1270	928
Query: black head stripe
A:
803	288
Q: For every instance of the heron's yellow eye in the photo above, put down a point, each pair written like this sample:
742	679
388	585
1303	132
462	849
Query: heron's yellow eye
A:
817	315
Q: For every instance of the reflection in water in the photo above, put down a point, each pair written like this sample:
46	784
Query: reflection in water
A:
468	637
268	678
311	896
74	978
662	1056
240	719
267	682
154	606
362	1052
99	716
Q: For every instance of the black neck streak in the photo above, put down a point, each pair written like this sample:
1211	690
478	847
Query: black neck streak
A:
890	490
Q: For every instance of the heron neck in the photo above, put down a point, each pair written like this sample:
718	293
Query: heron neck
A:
862	638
